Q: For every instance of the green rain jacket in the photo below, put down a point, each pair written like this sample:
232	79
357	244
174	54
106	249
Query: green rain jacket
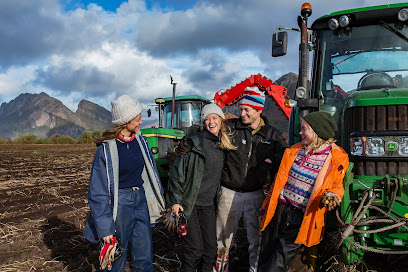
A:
186	176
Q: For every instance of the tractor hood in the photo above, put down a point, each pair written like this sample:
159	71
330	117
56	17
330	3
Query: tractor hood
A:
378	97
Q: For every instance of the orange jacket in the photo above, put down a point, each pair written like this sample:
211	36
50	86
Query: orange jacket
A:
329	179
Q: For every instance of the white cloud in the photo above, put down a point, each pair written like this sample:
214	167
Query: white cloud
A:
14	80
90	53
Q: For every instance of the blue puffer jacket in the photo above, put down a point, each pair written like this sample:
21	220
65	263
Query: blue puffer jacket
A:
104	184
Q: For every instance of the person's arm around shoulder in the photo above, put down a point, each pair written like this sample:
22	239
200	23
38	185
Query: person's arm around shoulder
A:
177	180
183	146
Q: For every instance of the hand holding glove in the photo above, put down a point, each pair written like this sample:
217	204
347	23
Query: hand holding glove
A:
110	252
170	221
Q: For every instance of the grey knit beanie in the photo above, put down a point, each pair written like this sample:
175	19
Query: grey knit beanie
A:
322	123
124	110
209	109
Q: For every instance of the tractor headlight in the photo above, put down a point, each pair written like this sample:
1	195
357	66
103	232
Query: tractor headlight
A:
333	24
344	21
403	14
357	148
379	146
301	92
155	150
403	146
374	146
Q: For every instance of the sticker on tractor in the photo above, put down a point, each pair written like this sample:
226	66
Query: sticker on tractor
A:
397	242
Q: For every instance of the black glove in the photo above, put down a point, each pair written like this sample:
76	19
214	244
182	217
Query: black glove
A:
182	148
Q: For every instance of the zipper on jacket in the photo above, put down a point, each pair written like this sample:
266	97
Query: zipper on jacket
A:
249	156
246	166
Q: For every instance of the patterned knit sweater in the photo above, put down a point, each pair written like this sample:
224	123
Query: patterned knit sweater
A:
302	176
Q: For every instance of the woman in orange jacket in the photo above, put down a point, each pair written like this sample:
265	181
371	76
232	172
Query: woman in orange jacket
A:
294	211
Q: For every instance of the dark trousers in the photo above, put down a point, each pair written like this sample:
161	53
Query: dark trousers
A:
278	250
199	247
133	231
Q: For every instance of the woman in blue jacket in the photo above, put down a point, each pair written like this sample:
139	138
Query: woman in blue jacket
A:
123	174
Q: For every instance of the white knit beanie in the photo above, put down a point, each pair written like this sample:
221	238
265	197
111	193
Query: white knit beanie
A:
124	110
209	109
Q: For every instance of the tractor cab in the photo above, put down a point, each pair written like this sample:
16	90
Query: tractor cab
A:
187	111
175	117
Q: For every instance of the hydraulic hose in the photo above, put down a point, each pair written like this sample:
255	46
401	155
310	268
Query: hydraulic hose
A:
356	218
387	219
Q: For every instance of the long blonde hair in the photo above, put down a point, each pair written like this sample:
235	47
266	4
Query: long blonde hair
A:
317	142
225	136
111	133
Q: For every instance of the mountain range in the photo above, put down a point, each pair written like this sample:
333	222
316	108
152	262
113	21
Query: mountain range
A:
43	115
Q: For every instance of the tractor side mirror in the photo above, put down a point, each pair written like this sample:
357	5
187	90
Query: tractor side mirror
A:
149	113
279	44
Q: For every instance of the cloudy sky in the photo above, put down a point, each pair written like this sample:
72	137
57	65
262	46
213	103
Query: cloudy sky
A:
100	49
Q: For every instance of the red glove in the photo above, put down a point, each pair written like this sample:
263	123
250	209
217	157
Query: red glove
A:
107	254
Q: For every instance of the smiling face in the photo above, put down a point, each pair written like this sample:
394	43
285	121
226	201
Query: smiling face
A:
135	124
307	133
213	123
132	126
250	116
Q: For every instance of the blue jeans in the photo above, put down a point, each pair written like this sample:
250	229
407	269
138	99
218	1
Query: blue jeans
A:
133	231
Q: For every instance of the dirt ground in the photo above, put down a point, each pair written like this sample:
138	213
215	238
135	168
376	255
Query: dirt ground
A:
43	208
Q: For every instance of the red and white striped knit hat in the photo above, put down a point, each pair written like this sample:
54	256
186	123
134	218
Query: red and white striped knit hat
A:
253	98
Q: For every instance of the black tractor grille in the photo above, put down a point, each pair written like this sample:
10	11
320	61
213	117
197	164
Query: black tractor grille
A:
376	118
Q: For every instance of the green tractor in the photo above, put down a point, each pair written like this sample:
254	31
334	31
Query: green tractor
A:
176	115
360	76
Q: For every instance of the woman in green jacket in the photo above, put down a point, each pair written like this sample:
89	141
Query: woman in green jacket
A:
192	189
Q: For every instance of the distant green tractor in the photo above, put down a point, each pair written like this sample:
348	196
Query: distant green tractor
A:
173	123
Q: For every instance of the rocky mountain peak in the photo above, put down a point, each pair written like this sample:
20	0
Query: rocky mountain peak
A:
43	115
90	112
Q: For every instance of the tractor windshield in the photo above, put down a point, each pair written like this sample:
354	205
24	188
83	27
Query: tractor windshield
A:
186	114
358	59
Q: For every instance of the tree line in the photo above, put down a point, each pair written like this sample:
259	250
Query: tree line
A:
88	137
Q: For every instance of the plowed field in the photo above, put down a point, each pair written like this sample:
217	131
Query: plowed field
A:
43	208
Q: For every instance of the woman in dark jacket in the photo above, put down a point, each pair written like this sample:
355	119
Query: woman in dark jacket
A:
192	189
122	171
